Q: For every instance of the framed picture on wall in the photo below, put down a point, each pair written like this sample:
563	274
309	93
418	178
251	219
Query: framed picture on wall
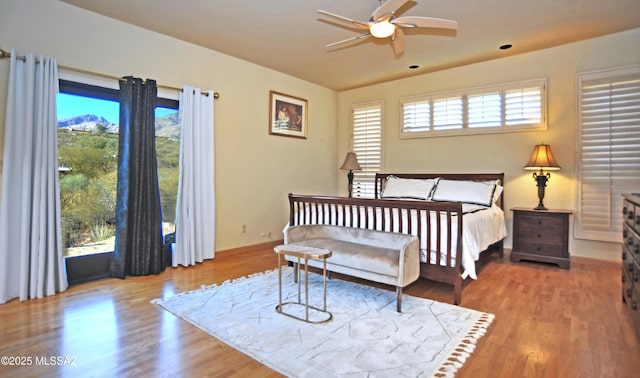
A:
287	115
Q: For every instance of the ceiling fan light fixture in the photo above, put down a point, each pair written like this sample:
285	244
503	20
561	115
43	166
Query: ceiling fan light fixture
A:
382	29
383	24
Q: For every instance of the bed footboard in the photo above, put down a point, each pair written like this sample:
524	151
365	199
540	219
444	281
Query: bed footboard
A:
438	225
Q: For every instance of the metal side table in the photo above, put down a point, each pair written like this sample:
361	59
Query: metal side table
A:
306	253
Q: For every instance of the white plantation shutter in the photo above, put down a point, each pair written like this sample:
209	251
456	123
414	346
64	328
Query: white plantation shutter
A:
367	145
433	113
448	112
416	115
484	108
508	107
609	139
523	104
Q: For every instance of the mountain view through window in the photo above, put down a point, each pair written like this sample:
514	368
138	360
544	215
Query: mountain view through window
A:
88	163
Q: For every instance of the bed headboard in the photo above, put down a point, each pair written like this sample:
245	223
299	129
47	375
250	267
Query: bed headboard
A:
382	177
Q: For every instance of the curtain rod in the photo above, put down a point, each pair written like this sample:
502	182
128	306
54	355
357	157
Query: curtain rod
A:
6	54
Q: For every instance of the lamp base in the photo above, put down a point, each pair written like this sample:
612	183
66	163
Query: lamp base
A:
541	180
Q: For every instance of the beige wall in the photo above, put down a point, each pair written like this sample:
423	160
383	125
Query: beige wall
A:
501	152
254	171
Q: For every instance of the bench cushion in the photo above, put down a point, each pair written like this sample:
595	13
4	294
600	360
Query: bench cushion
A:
365	257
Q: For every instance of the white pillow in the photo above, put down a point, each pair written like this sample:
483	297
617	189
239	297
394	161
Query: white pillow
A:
473	192
395	187
497	193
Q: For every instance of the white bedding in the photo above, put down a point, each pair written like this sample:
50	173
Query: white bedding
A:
482	227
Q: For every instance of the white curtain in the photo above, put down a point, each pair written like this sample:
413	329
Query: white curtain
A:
31	262
195	210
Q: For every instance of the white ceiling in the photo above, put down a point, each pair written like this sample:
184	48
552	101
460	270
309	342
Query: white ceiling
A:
290	35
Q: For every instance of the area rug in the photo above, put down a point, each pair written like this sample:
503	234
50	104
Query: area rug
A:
367	337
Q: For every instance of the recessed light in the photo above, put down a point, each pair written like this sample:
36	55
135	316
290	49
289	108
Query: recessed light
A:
506	46
413	67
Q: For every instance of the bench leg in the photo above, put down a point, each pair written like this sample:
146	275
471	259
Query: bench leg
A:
398	298
296	272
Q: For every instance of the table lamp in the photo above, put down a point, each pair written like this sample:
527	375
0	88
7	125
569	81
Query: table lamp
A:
542	159
351	163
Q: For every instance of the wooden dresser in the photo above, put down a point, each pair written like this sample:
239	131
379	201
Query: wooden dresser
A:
541	235
631	257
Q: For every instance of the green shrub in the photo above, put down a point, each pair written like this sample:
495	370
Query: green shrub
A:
102	231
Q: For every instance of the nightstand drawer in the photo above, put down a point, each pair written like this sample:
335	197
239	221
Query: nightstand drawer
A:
542	249
536	222
542	236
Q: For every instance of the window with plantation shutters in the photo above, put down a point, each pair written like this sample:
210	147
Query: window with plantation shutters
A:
508	107
523	104
484	108
609	150
447	112
367	145
417	116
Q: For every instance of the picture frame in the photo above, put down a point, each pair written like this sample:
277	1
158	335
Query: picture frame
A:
287	115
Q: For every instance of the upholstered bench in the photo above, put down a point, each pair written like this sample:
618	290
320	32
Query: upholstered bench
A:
384	257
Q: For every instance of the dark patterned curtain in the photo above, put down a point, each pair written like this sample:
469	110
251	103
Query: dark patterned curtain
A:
138	249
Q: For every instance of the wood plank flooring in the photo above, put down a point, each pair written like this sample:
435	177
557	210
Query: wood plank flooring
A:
550	322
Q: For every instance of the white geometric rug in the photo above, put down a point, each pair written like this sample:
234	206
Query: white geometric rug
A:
365	338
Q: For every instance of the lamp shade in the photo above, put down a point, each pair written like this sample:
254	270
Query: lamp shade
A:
351	162
542	158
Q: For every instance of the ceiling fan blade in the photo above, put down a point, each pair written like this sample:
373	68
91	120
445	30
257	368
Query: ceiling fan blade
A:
363	35
424	22
359	24
397	41
388	8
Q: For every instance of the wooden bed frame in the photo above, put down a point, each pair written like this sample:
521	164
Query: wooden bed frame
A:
366	213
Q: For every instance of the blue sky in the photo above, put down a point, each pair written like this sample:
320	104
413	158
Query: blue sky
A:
73	106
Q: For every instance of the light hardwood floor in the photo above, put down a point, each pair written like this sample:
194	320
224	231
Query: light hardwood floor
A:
549	322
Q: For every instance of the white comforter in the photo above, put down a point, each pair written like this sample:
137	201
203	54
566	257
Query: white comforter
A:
480	229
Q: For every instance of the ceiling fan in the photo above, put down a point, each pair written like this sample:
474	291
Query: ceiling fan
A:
383	24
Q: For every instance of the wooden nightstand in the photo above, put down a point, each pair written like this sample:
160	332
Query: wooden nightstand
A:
541	235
